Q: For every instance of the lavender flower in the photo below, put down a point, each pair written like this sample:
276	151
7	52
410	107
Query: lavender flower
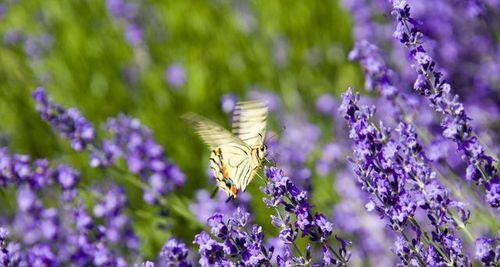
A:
378	76
281	192
398	176
174	253
326	104
12	37
228	102
3	10
121	10
21	171
79	239
36	46
175	75
67	177
332	155
455	122
485	251
232	242
354	215
69	123
133	34
130	140
142	155
9	256
117	227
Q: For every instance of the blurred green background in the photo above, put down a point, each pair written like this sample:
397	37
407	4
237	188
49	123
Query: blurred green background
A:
294	48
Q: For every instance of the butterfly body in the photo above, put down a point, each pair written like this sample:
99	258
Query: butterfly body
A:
235	157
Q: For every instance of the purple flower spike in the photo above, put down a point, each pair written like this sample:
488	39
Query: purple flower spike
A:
142	155
234	243
281	192
174	253
69	123
455	122
485	251
130	140
400	180
67	177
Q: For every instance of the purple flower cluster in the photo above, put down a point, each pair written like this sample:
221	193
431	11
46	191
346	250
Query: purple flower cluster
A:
116	225
454	32
370	239
174	253
459	36
485	252
143	156
454	120
63	234
127	13
231	243
129	140
67	122
377	75
9	256
92	245
398	176
20	170
462	32
282	193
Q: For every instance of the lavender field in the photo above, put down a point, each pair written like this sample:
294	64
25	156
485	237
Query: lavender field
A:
381	141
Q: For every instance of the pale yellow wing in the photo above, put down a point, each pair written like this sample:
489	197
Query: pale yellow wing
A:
233	162
249	122
210	132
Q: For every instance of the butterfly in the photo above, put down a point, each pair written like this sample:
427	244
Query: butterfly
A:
235	156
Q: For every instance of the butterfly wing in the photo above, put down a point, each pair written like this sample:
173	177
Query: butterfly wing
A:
211	133
249	122
233	163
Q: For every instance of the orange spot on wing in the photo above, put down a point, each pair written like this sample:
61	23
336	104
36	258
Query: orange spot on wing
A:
234	191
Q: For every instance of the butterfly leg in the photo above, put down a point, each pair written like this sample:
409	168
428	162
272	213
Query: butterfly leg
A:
214	192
